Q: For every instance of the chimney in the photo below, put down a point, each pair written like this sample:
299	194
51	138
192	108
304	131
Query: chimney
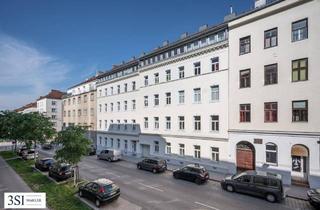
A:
184	35
229	16
259	3
203	27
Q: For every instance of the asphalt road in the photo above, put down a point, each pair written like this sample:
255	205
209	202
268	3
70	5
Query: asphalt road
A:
161	191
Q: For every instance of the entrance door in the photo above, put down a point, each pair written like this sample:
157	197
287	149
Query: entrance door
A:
300	164
245	156
145	150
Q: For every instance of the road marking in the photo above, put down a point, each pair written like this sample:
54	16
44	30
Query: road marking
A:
151	187
210	207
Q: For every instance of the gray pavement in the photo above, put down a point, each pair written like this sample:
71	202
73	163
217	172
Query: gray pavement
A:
161	191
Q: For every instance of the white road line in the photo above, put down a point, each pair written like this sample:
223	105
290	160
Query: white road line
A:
151	187
210	207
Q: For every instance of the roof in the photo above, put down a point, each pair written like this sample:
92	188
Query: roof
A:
27	106
85	81
119	67
54	94
103	181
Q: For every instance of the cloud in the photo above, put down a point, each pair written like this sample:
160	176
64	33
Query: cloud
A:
26	73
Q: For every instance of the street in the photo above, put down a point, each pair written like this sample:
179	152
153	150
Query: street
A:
161	191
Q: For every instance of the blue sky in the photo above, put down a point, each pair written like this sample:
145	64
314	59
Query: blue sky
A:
54	44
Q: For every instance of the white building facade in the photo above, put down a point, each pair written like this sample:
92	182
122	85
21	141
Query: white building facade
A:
274	93
172	102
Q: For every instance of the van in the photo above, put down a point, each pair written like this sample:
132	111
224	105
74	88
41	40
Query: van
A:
261	184
109	155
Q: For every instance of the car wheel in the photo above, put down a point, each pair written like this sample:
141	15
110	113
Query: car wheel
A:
97	203
176	176
198	181
80	193
154	170
138	166
230	188
271	198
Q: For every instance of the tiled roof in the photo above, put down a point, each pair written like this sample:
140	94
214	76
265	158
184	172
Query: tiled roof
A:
54	94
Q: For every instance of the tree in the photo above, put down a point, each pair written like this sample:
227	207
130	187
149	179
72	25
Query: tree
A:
74	146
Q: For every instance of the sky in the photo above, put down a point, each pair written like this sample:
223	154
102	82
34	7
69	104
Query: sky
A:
56	44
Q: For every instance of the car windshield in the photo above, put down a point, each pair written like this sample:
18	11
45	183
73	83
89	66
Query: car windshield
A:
238	175
110	187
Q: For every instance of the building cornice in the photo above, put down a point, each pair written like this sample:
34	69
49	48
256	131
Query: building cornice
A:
117	79
71	96
286	133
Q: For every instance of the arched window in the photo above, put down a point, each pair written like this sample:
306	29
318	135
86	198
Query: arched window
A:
271	153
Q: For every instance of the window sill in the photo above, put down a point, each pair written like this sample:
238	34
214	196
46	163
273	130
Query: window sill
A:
214	101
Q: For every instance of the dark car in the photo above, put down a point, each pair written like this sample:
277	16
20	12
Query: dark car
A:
44	164
314	197
256	183
99	191
153	165
61	171
192	172
47	146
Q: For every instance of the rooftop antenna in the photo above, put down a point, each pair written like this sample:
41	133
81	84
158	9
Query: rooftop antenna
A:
231	9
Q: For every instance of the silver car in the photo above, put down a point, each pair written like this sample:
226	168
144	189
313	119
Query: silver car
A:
110	155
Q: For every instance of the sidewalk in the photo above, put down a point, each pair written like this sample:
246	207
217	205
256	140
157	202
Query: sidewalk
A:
292	191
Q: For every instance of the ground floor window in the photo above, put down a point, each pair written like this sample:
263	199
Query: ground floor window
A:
125	145
181	149
156	147
118	142
271	153
105	141
215	153
111	142
168	148
197	151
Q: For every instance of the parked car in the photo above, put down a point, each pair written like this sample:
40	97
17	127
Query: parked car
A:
61	171
21	150
110	155
192	172
99	191
44	164
153	165
29	154
47	146
256	183
92	150
314	197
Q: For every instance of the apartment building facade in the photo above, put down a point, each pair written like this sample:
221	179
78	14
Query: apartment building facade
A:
274	119
79	106
28	108
172	102
50	105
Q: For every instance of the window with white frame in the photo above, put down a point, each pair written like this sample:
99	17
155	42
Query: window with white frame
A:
168	75
118	143
197	68
156	122
133	104
106	124
100	108
214	93
181	149
145	101
215	64
168	98
118	124
125	105
125	87
300	30
118	89
133	85
181	97
215	153
156	78
168	148
271	153
111	90
197	95
146	123
197	123
111	142
105	107
105	141
106	91
118	105
146	81
197	151
111	107
100	124
181	72
125	124
125	146
156	99
181	122
156	147
168	123
214	122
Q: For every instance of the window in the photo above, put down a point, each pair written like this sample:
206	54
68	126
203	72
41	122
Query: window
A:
106	91
85	98
181	149
74	101
271	112
106	124
197	123
300	30
118	143
300	70
300	111
100	122
156	99
92	97
125	124
168	148
214	122
168	98
156	78
105	107
245	78
100	107
245	45
100	93
118	89
197	68
156	146
214	93
111	107
111	142
181	122
125	146
133	85
181	97
259	180
85	112
118	105
271	74
79	99
168	75
92	111
111	90
125	87
69	113
156	122
146	82
125	105
168	123
54	116
197	153
118	124
271	153
73	113
146	123
245	112
133	104
145	101
197	95
53	110
69	101
215	64
271	38
215	153
181	72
